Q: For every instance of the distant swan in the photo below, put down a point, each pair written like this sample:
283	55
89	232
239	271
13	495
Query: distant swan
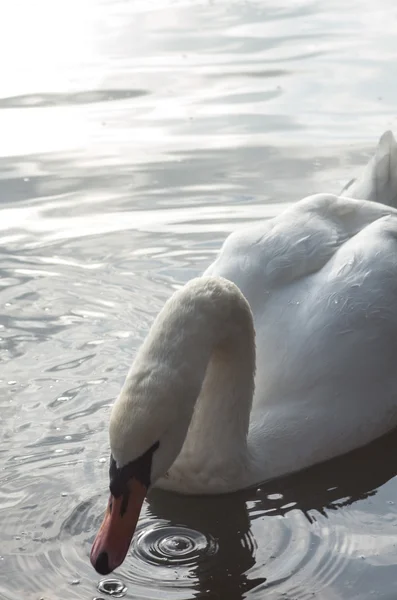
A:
308	301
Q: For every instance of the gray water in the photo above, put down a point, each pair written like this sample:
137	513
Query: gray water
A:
133	140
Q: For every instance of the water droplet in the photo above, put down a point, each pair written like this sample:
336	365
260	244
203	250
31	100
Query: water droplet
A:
176	544
11	382
274	496
63	494
102	460
75	582
68	437
113	587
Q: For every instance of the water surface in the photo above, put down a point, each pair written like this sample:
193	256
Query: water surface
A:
133	140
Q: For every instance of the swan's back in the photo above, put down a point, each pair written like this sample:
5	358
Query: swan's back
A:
321	280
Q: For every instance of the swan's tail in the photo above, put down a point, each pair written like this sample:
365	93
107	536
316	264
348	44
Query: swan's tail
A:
378	181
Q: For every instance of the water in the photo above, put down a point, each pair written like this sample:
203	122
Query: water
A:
132	141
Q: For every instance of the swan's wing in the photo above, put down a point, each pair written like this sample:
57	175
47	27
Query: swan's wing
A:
378	181
321	279
294	245
326	353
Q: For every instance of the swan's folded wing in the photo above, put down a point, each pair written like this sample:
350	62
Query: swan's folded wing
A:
297	243
326	354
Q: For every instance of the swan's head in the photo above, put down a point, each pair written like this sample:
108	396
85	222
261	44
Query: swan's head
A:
148	426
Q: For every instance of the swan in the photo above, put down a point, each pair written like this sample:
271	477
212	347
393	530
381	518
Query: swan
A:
282	355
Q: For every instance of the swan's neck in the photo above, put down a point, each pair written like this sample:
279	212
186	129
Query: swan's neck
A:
214	351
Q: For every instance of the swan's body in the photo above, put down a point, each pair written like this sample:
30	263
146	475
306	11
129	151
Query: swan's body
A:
316	287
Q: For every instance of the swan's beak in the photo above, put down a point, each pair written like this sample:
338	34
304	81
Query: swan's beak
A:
114	536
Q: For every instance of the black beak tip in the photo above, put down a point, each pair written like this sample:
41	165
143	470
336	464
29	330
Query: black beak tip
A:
102	564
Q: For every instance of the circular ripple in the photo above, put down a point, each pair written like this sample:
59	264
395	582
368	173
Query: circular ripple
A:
169	556
292	544
299	558
112	587
46	535
251	544
176	546
300	554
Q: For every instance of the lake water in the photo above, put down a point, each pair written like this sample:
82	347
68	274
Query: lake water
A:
135	135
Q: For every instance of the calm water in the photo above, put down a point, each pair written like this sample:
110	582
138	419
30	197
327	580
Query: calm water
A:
132	141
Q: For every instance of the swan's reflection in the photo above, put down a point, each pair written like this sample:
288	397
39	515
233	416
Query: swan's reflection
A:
228	519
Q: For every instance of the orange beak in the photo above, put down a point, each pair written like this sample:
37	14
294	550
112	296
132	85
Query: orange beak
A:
114	536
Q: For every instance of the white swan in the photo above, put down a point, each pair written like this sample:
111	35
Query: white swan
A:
310	298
